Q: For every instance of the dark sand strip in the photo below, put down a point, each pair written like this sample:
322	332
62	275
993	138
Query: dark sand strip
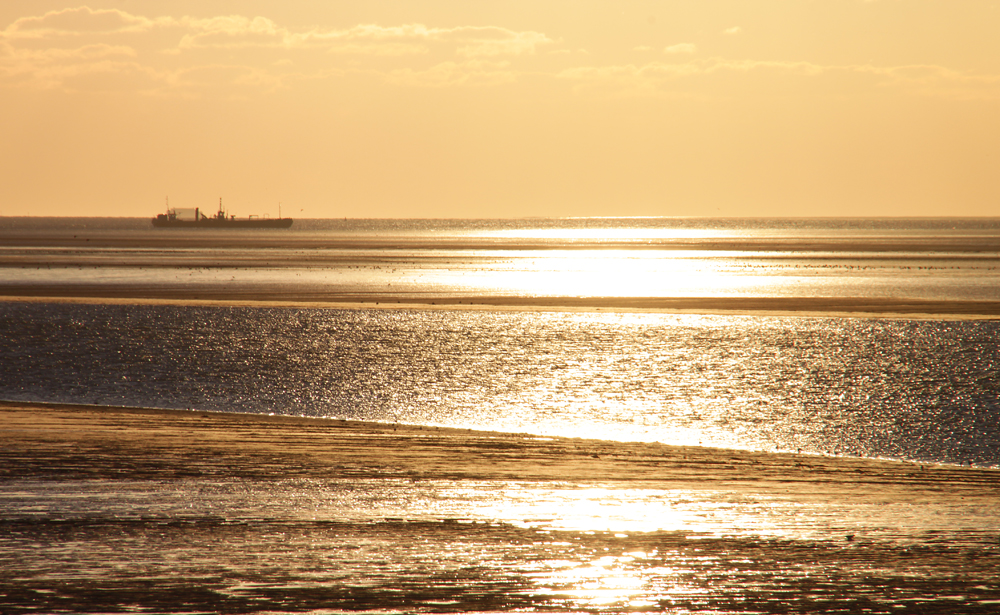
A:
303	297
92	239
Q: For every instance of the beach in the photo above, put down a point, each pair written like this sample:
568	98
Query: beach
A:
188	511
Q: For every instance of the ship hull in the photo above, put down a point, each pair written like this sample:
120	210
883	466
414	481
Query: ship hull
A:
225	223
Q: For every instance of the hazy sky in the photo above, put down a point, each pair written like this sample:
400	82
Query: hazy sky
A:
478	108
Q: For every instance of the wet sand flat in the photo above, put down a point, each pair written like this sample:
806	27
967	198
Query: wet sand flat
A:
466	271
311	298
90	239
119	509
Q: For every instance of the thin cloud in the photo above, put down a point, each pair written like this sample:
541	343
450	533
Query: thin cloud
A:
733	30
79	21
44	51
926	80
475	72
499	41
236	32
86	53
230	32
681	48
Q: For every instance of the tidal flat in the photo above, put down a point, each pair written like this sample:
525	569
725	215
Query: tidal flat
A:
112	510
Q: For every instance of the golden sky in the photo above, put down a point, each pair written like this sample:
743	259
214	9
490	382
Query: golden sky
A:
463	108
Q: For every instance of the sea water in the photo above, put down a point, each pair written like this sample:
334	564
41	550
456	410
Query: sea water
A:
922	390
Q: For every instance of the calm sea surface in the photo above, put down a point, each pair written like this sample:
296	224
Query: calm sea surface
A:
655	257
923	390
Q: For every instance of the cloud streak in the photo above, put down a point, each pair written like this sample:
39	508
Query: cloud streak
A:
81	48
681	48
49	50
239	31
79	21
927	80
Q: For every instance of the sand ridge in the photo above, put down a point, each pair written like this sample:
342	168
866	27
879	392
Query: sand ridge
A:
844	307
45	440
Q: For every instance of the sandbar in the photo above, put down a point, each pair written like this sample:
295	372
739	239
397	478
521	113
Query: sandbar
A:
47	440
848	307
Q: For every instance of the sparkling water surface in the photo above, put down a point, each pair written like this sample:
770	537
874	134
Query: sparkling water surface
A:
443	546
920	390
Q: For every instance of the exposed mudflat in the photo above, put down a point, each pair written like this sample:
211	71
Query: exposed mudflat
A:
131	510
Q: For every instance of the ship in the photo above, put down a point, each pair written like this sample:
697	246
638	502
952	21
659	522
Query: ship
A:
194	218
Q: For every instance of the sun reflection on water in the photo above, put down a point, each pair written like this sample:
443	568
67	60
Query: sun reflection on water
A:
613	273
603	581
632	580
513	546
612	508
609	234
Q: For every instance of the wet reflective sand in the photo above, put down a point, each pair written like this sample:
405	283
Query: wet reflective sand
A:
106	510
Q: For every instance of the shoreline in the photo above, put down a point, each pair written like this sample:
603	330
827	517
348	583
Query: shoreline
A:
841	307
